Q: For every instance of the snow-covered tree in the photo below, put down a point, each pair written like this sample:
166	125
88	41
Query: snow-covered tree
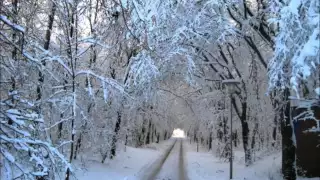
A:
294	68
296	62
26	148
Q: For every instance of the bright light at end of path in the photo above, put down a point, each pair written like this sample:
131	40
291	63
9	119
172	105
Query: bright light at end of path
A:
178	133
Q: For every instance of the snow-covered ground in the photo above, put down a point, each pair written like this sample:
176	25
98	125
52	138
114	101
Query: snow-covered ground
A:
126	165
135	163
203	165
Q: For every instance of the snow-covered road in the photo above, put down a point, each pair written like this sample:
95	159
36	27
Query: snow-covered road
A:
173	167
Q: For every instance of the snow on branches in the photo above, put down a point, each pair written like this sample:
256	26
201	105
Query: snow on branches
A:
143	72
24	153
297	44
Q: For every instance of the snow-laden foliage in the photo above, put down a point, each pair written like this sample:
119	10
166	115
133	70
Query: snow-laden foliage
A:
143	73
297	55
173	30
25	149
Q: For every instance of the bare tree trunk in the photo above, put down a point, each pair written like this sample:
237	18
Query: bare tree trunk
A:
245	134
225	131
165	135
41	76
152	132
78	145
13	53
158	137
235	138
288	147
126	143
73	61
253	140
197	140
226	137
219	131
72	128
60	125
14	34
149	133
275	105
274	131
210	141
49	28
142	134
115	136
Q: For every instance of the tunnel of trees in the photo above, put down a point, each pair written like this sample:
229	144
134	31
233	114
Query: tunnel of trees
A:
93	75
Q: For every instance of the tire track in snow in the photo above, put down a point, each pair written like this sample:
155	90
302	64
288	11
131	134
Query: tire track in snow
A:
154	169
182	175
170	169
173	166
170	166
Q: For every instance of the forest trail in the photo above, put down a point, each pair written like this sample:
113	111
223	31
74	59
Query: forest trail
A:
171	165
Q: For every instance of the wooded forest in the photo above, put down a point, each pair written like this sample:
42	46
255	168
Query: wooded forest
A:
91	77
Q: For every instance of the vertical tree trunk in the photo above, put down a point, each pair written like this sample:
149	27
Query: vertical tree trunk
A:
73	131
197	140
275	105
152	132
235	139
41	75
149	133
219	131
261	142
115	136
274	131
158	137
245	134
210	141
142	134
14	52
225	131
253	140
78	145
72	62
49	28
14	34
126	143
60	125
165	135
288	146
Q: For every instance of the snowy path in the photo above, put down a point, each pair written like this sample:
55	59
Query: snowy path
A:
170	166
173	168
